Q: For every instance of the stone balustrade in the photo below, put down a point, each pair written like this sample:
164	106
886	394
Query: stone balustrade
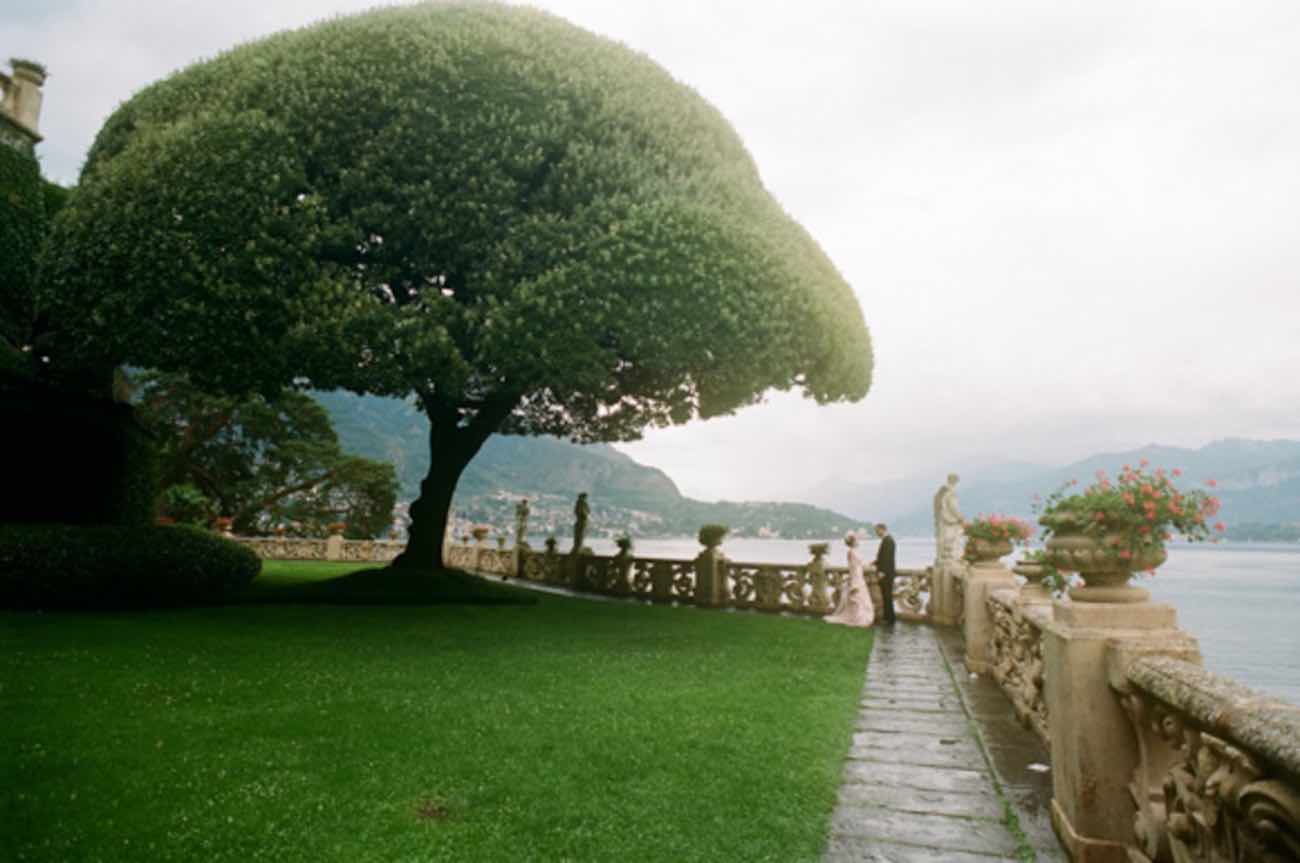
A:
1016	656
812	588
331	548
1218	773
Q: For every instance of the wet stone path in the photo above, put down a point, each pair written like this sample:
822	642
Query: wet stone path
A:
917	785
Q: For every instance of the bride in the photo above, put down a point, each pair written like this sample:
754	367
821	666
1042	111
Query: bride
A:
855	608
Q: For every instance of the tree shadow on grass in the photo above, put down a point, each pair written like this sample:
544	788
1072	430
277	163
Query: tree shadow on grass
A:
385	586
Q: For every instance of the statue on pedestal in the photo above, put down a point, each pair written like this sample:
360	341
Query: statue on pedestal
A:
949	524
581	510
521	522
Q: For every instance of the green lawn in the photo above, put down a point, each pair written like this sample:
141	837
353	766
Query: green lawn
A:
295	726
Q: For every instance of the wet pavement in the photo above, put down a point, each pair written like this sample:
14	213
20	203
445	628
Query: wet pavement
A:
935	753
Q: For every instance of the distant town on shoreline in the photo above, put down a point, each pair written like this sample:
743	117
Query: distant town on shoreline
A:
1258	481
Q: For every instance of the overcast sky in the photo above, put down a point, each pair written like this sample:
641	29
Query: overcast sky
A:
1072	226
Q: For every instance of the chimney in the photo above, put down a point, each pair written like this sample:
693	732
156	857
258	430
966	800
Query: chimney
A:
22	97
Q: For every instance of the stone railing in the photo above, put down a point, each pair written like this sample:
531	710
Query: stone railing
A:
333	548
1016	655
1218	773
810	588
1153	759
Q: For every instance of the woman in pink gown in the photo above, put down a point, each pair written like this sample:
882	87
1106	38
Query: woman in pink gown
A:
855	608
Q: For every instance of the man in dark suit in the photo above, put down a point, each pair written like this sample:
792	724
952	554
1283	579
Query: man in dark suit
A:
886	571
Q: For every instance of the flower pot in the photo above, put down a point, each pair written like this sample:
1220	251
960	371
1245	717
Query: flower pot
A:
1098	560
986	551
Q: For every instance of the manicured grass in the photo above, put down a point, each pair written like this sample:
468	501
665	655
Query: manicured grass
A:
300	730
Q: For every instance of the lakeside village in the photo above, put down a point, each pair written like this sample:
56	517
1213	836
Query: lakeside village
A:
552	515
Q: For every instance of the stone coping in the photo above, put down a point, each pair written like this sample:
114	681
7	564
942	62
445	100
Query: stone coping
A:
1266	726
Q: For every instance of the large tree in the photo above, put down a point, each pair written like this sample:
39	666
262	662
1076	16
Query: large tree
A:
531	229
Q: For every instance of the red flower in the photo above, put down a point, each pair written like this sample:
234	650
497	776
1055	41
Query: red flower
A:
1219	526
1177	472
1211	483
1126	554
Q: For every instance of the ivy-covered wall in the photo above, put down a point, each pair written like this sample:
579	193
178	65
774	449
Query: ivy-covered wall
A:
69	457
22	225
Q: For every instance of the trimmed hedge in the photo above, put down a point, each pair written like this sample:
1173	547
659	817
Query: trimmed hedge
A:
105	566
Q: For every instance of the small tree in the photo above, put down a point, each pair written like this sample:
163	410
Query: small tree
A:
259	461
531	229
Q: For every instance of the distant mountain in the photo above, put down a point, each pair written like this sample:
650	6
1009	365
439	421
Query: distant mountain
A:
1258	482
625	496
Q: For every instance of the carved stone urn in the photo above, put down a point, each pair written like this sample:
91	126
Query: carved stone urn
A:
1098	559
985	551
1033	572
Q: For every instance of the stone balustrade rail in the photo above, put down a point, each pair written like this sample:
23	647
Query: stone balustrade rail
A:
1016	654
1218	776
812	588
332	548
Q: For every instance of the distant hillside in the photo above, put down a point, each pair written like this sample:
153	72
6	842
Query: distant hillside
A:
1258	482
625	496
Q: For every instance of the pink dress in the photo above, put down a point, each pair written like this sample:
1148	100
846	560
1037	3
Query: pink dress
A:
855	608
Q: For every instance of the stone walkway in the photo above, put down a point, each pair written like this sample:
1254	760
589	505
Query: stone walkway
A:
919	785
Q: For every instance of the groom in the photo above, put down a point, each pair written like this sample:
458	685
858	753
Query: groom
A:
885	571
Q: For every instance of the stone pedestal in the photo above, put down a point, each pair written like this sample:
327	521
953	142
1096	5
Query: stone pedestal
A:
1033	591
945	598
334	547
710	578
983	578
1086	648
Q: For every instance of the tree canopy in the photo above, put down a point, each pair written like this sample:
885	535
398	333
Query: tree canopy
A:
530	228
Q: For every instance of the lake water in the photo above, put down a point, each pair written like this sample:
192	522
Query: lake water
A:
1240	600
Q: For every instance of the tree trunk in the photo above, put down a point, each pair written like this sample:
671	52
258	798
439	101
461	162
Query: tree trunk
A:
451	446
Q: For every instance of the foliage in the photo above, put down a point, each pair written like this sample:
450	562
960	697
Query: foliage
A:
527	227
31	64
624	544
185	504
996	528
261	462
52	566
712	534
22	226
1136	512
404	731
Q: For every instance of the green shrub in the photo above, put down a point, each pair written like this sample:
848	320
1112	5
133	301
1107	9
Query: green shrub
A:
106	566
712	535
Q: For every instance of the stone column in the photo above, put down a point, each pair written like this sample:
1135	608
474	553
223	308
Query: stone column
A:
818	600
1087	647
334	546
982	579
945	599
711	578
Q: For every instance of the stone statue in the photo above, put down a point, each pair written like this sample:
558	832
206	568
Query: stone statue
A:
581	510
521	522
948	521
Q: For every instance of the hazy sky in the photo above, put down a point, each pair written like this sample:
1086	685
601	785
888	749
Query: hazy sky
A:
1072	226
